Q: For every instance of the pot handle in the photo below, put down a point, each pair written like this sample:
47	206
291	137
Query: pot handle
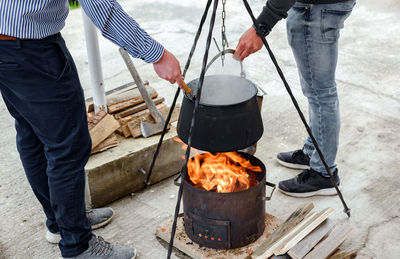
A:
227	51
268	198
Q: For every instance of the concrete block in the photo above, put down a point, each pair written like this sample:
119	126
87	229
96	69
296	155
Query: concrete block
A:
113	174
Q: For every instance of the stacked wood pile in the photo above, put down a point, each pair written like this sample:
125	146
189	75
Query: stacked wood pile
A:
126	110
306	235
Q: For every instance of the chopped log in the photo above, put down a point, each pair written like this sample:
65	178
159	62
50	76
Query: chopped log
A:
302	232
138	115
94	119
108	143
330	244
339	254
298	215
125	131
113	92
305	245
136	108
104	128
129	99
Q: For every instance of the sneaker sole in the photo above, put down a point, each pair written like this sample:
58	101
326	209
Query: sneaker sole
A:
292	166
102	224
322	192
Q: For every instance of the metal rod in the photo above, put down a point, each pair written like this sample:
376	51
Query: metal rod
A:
256	24
193	123
94	59
203	19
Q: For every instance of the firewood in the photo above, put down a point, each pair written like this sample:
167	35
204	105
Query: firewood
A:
108	143
128	99
330	244
104	128
125	131
115	92
136	108
305	245
93	119
298	215
138	115
303	231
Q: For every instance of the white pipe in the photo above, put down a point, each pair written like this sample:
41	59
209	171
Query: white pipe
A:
95	69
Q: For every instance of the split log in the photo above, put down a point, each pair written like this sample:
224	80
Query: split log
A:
104	128
305	245
128	99
136	108
114	92
108	143
330	244
297	216
303	231
93	119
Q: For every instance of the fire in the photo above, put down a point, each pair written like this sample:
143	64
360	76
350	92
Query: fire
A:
221	172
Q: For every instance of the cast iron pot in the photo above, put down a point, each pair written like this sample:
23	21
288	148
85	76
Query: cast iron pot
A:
228	117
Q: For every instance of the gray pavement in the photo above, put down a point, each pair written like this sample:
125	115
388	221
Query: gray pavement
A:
368	159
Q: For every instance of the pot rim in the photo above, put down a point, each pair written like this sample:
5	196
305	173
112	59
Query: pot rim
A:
191	99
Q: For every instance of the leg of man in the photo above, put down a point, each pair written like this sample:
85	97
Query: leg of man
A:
41	88
313	33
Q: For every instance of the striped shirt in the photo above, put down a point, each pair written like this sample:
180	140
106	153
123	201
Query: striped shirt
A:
37	19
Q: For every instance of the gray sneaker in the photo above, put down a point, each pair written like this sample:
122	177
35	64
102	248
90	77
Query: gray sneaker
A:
100	249
97	217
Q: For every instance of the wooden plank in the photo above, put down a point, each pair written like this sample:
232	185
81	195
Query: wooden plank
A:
302	232
305	245
330	244
103	129
339	254
108	143
116	103
137	108
116	91
297	216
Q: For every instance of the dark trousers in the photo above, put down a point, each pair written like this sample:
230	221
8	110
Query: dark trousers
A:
41	89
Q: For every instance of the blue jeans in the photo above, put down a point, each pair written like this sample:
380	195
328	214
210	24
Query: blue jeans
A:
313	33
41	89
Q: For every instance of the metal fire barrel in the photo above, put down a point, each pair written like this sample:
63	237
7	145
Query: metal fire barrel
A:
225	220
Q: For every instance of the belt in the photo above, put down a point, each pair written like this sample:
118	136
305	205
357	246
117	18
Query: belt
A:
6	37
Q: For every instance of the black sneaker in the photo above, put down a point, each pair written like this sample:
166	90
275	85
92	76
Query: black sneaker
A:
294	159
309	183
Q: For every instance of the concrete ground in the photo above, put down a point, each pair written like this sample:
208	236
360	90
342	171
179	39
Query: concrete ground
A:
368	159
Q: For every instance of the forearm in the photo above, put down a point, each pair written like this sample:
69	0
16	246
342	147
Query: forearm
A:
273	11
120	28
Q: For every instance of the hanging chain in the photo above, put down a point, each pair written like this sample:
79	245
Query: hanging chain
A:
223	34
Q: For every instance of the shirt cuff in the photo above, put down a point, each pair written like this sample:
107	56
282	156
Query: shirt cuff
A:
154	53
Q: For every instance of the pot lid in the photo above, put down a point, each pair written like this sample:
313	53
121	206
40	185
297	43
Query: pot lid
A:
221	90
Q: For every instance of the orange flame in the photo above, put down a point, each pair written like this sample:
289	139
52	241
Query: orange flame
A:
220	172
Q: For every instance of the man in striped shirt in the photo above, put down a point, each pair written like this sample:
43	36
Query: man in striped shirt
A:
40	87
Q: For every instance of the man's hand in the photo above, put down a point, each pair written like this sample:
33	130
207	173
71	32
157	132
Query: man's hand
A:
168	68
249	43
